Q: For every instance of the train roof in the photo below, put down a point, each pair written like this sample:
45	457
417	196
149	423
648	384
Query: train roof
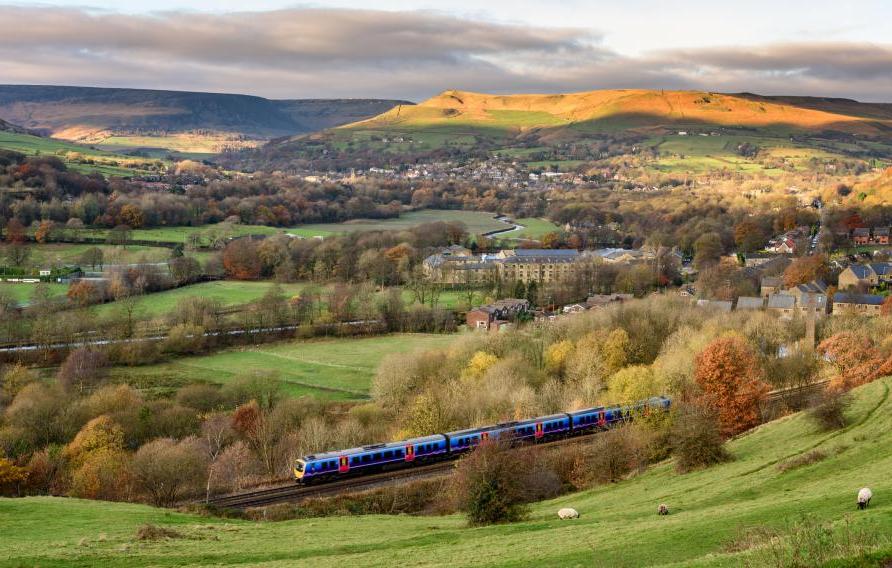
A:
373	447
505	425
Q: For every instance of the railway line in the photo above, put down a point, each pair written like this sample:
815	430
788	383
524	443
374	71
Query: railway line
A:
293	493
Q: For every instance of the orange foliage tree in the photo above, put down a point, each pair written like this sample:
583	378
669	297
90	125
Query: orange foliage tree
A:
856	359
729	375
806	269
241	261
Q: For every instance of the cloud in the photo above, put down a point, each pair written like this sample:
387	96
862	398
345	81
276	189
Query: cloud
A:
313	52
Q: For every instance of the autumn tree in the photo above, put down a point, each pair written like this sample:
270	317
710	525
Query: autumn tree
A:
806	269
241	261
15	232
856	359
728	373
44	231
132	216
100	465
11	477
83	293
93	257
166	470
708	250
82	369
749	236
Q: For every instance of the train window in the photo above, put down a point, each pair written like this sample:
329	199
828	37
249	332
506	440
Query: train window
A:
399	453
354	461
366	458
388	454
332	464
377	456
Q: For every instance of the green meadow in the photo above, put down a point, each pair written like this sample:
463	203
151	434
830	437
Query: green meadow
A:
341	368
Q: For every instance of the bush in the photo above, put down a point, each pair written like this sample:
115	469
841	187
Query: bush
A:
154	532
201	397
617	453
803	460
696	438
167	471
489	485
829	414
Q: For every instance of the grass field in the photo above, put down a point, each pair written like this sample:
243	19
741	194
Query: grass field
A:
183	145
476	221
535	228
340	368
76	156
22	293
49	254
227	292
618	525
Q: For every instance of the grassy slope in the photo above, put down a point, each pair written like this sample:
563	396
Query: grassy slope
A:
476	222
106	162
618	525
329	368
227	292
23	292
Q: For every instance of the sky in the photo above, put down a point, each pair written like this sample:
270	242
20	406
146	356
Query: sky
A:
413	49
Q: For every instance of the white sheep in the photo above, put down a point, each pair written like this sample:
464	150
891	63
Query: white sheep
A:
663	509
568	513
864	497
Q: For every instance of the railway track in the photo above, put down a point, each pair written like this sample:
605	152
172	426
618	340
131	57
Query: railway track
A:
293	493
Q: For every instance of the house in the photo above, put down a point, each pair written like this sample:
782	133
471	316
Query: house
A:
770	285
881	236
865	275
720	305
754	259
536	265
602	300
782	304
494	316
574	309
861	236
750	303
856	304
785	245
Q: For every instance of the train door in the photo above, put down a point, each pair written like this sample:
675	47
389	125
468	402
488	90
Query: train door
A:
602	418
410	453
540	431
343	464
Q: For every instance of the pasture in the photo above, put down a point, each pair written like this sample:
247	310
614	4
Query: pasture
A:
340	368
22	293
476	222
713	515
228	292
79	158
55	254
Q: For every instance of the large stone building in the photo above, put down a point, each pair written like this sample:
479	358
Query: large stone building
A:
857	304
460	266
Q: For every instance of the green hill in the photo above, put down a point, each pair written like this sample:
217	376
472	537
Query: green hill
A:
156	121
712	510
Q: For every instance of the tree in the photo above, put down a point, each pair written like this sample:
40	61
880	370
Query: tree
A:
241	261
93	257
15	232
83	293
11	477
729	374
806	269
184	269
131	216
886	308
44	231
708	250
490	484
14	379
17	254
748	236
696	438
82	369
120	235
166	470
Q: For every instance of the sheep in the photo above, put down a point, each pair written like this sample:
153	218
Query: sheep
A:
864	497
663	509
568	513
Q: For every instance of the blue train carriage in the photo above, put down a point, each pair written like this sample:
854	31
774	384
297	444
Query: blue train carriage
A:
328	465
543	427
588	419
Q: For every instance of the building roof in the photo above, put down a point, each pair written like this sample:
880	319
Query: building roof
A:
562	253
781	302
750	303
772	282
861	271
859	299
882	268
861	232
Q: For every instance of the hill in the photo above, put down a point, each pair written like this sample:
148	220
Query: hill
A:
717	515
556	117
119	119
7	127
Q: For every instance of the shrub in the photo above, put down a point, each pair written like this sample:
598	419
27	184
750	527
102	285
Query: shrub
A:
154	532
696	438
166	470
201	397
82	369
803	460
488	484
829	414
616	453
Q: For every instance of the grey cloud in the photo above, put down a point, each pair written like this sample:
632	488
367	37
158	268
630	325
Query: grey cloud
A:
364	53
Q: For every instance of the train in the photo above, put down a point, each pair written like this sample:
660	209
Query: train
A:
339	464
